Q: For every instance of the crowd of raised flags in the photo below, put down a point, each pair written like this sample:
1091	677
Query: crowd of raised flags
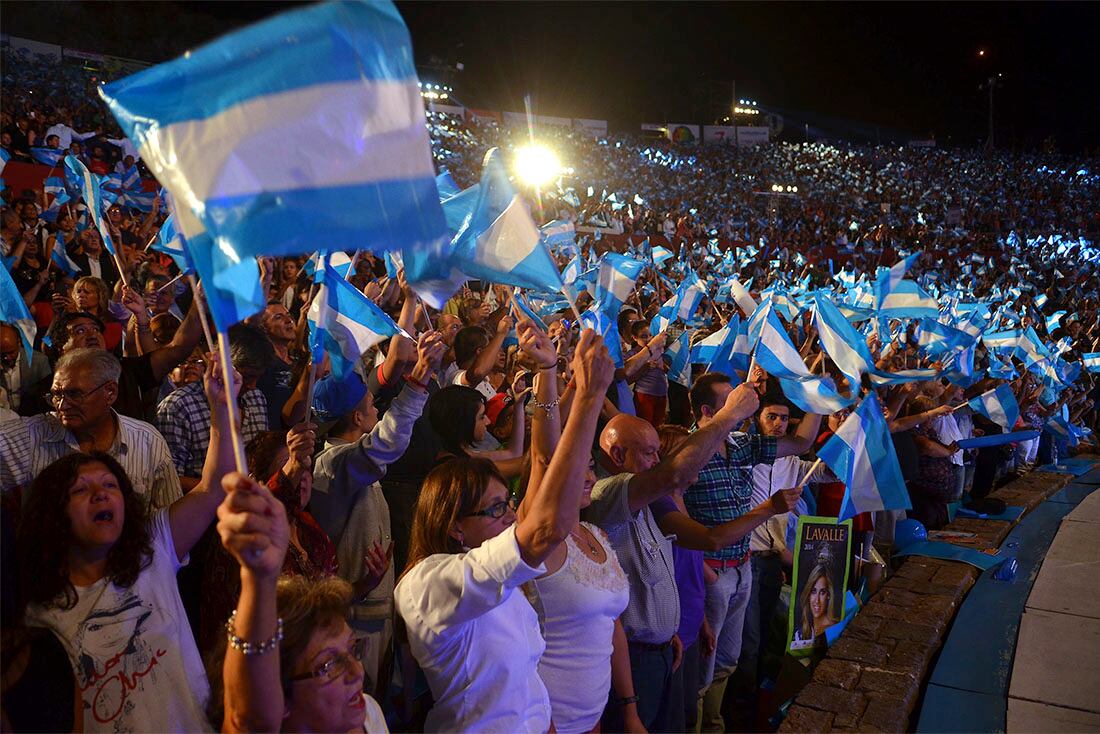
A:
835	343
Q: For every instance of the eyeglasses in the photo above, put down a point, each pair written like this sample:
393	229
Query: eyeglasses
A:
55	397
337	666
497	509
81	329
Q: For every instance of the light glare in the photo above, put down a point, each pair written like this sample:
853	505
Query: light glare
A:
536	165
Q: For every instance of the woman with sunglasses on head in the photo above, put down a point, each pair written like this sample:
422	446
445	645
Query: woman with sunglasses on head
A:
290	662
470	628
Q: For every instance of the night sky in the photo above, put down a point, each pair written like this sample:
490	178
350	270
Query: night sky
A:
889	71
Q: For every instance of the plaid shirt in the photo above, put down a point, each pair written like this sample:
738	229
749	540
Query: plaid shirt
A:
723	491
184	419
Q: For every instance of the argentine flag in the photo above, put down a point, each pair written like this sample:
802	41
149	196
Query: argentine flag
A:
615	281
14	311
170	243
678	351
1091	361
62	260
777	356
88	184
48	156
337	82
907	301
742	298
345	323
498	241
861	454
998	405
606	327
660	254
559	233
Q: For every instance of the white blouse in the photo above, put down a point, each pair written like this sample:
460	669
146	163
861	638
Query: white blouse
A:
579	605
477	638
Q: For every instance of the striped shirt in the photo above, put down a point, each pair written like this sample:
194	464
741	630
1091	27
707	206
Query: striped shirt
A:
29	445
184	419
767	479
645	553
723	491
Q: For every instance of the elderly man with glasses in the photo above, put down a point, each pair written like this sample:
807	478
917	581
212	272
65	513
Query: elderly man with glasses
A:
85	387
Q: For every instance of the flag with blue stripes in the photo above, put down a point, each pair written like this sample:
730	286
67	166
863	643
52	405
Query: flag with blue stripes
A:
888	280
742	297
678	352
606	327
861	454
88	183
660	254
169	242
48	156
907	300
559	233
1091	361
446	185
1000	370
338	75
344	323
688	297
998	405
521	304
777	356
14	311
615	281
62	261
499	241
841	341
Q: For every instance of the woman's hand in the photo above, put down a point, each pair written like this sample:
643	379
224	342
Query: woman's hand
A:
593	369
253	526
534	342
377	562
299	442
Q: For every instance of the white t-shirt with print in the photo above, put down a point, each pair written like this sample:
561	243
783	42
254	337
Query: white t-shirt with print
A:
135	659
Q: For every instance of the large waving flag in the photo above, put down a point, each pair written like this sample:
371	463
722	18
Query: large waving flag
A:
937	338
861	454
688	297
88	184
616	280
908	301
338	79
998	405
499	241
777	356
888	280
48	156
345	323
841	341
14	311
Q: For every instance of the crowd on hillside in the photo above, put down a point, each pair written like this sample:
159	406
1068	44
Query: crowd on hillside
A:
490	525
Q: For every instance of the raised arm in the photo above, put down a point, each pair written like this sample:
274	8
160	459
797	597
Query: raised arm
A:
696	536
190	515
485	361
546	421
803	439
167	358
554	511
680	469
253	528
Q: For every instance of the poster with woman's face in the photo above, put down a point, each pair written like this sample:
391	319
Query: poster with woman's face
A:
820	578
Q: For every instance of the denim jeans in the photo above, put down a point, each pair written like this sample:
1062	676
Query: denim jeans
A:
767	581
653	685
727	602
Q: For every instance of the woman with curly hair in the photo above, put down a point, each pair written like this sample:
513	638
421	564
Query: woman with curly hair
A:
101	575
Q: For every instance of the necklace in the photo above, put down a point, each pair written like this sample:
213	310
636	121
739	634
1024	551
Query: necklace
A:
592	548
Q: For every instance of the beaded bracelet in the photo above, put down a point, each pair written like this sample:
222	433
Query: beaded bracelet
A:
545	406
252	648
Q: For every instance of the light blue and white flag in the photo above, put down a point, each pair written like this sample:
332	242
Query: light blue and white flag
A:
14	311
715	346
908	301
446	185
213	127
559	233
499	241
606	327
48	156
688	297
62	261
1000	370
937	338
1053	320
615	282
742	297
344	323
998	405
861	454
678	352
888	280
841	341
170	243
521	304
660	254
777	356
1091	361
89	189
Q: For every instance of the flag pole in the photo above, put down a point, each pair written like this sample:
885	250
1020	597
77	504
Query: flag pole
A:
811	470
193	281
231	405
173	281
351	267
572	303
322	318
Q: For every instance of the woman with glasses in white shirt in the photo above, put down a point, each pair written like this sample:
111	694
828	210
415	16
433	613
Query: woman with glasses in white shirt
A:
469	626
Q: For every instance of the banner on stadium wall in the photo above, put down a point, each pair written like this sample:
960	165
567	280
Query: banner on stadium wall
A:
718	133
519	119
820	576
747	136
35	47
679	132
596	128
653	130
449	109
487	115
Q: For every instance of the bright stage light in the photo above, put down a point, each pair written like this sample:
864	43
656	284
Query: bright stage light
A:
536	165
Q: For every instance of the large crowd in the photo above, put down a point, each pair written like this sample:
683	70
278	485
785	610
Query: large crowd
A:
488	525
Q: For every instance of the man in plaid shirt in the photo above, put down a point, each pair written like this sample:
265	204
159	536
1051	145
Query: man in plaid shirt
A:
722	493
184	416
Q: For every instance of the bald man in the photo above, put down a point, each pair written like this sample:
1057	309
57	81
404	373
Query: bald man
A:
620	505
